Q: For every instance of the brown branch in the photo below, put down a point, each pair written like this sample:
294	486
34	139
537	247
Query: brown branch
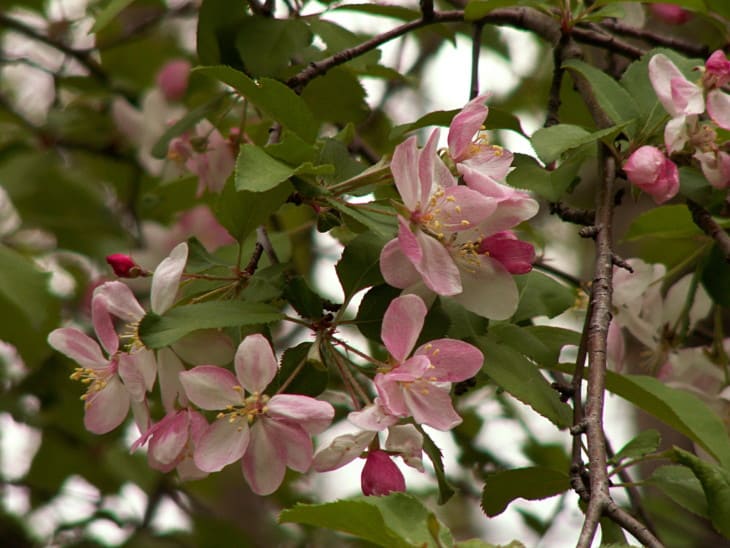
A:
83	57
426	8
704	220
606	41
583	217
655	39
553	106
476	48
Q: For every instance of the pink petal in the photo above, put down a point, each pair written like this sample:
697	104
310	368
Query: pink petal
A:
718	107
391	395
431	405
104	326
255	363
451	360
489	166
170	438
380	475
662	73
210	387
296	443
402	324
222	443
677	131
432	172
147	364
687	97
264	463
514	254
436	266
172	79
396	268
404	166
374	417
120	301
132	377
715	167
166	279
489	290
465	125
169	369
462	208
314	416
107	408
342	450
78	346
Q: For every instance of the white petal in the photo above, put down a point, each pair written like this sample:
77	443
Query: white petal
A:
166	279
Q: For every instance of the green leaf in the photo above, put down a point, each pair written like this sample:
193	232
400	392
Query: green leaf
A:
716	277
551	142
218	24
382	224
716	485
108	14
337	97
541	295
509	369
359	266
395	521
541	343
191	118
463	324
272	97
304	300
369	317
256	171
268	45
446	491
532	483
615	101
28	311
665	223
680	484
643	444
311	379
241	212
160	331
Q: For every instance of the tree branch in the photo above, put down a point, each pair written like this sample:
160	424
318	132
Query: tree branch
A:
704	220
655	39
476	48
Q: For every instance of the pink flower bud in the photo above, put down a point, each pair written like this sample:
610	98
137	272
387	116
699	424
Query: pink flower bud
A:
650	170
380	475
173	79
717	70
515	255
671	14
124	266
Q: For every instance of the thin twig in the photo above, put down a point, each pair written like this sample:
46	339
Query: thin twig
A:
704	220
262	237
607	41
569	214
693	49
476	48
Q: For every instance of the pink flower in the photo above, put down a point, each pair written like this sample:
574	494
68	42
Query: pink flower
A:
715	167
267	433
173	78
207	154
514	254
419	386
650	170
437	207
717	70
669	13
124	266
476	160
380	475
172	441
113	383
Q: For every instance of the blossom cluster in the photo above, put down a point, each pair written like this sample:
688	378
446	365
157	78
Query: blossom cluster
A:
697	110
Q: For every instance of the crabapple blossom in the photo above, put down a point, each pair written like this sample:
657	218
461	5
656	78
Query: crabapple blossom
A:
173	78
380	475
124	266
650	170
172	441
514	254
419	386
267	433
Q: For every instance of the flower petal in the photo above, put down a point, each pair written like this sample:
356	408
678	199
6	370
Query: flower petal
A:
107	408
432	172
132	376
431	405
255	363
374	417
451	360
465	125
264	462
396	268
221	444
170	438
665	78
436	267
78	346
391	395
404	166
718	107
342	450
402	324
210	387
166	279
489	290
120	301
463	208
169	369
296	443
104	326
314	416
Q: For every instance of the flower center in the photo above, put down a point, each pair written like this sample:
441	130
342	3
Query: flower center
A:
95	379
252	406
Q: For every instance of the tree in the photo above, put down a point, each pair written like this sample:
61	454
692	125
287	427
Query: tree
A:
206	179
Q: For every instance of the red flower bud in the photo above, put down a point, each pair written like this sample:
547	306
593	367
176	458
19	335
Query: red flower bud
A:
380	475
124	266
670	14
173	79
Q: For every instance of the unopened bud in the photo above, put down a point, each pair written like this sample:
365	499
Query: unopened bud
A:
173	79
124	266
380	475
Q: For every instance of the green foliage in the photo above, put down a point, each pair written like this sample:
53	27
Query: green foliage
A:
397	520
533	483
359	266
645	443
680	484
